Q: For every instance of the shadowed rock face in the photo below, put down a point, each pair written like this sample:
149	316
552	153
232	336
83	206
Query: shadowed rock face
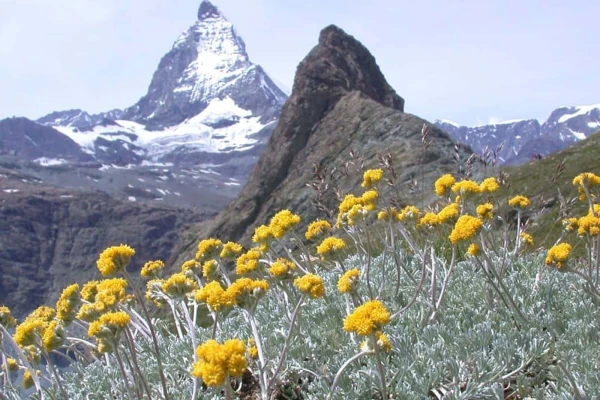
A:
52	237
340	101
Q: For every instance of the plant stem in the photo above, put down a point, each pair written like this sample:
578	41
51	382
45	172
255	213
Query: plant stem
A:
343	367
122	368
152	333
131	344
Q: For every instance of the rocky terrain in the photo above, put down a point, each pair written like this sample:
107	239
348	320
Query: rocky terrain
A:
522	140
51	237
340	102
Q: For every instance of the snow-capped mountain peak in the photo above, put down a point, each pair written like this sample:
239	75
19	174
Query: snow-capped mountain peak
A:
208	61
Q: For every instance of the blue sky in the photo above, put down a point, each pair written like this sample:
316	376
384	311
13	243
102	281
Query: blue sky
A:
463	60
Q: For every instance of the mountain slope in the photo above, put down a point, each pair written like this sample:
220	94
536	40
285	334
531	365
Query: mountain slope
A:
340	102
51	237
523	139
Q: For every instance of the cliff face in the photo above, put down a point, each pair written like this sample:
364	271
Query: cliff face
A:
340	102
52	237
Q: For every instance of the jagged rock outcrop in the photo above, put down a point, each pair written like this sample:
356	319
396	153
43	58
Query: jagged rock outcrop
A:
51	237
340	102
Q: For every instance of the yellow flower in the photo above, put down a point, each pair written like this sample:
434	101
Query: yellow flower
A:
317	229
67	303
519	202
213	294
485	210
466	227
527	238
110	292
252	349
429	220
13	366
114	259
409	212
231	250
90	312
208	248
263	236
448	213
570	224
372	177
178	285
6	318
383	342
216	361
558	255
586	179
89	290
109	325
29	331
247	262
209	268
348	281
311	284
443	184
283	222
473	249
242	289
489	185
466	187
192	266
53	336
151	269
367	318
32	354
43	313
330	248
588	225
369	199
27	379
154	292
281	268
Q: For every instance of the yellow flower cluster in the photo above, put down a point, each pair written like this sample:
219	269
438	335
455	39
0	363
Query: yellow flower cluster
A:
466	187
28	332
430	219
282	268
367	318
109	326
466	227
154	293
114	259
111	291
28	379
178	286
371	177
208	248
216	361
558	255
330	248
241	288
151	269
67	303
589	224
409	212
473	249
311	284
317	229
448	213
209	268
193	266
443	184
485	210
489	185
53	336
570	224
348	281
282	222
520	202
6	318
527	238
247	262
13	366
263	236
252	349
213	294
584	182
231	250
89	290
353	208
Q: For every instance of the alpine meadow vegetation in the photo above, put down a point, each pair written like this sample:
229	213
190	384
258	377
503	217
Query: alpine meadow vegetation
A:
451	301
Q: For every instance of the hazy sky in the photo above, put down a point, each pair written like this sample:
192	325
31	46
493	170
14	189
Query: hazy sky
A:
469	61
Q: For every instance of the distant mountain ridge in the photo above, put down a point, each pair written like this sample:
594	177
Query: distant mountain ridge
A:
524	139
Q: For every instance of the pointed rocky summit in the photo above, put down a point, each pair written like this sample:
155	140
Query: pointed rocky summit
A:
207	62
340	102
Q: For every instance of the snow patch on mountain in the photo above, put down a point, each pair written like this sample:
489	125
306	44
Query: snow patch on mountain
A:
581	110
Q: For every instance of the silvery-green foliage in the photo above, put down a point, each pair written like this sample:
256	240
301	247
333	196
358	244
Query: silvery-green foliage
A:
475	348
